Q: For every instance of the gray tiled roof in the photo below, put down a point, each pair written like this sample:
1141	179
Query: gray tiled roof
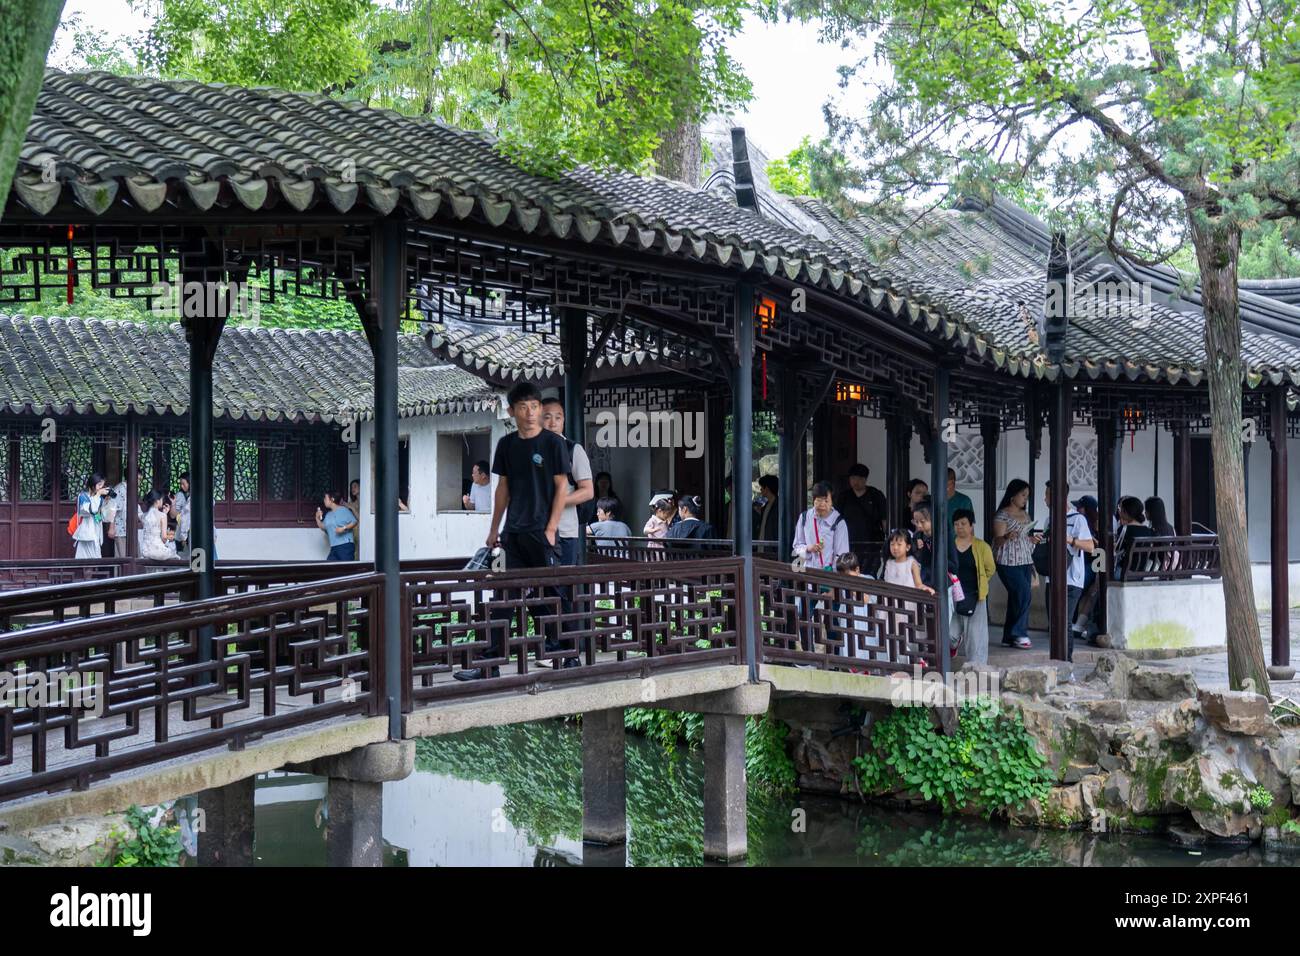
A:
988	264
105	366
144	146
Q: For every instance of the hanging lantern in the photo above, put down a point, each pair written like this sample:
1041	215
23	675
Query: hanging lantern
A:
851	392
765	312
1132	420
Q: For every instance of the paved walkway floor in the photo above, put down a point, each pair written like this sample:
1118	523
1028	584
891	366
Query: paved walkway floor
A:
1210	670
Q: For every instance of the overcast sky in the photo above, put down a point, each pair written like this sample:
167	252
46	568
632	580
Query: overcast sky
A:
792	73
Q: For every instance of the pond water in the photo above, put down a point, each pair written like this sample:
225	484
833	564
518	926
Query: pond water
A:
512	796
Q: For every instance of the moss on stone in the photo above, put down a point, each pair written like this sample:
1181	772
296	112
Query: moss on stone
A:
1160	634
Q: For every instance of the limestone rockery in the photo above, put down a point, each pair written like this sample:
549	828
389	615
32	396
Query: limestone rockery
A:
1131	748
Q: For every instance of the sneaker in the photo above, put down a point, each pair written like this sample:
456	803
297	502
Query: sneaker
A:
571	662
477	673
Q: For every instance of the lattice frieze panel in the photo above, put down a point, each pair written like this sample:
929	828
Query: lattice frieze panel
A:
966	458
1081	461
134	261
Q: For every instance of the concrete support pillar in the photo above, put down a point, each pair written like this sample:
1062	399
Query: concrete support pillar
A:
227	815
354	835
604	778
725	825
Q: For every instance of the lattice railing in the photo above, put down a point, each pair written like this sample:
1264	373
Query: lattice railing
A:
841	622
1173	558
185	678
612	618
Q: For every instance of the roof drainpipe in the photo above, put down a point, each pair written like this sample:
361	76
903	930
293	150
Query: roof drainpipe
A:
1060	295
746	195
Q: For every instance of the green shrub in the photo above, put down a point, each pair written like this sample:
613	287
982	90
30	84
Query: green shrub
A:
150	846
989	763
1261	799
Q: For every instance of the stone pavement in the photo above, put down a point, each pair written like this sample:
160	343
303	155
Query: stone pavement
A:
1210	670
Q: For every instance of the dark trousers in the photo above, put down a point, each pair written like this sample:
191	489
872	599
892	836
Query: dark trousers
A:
343	552
1018	580
1072	596
527	549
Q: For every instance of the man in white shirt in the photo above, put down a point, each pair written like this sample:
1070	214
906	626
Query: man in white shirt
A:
1078	542
480	489
581	488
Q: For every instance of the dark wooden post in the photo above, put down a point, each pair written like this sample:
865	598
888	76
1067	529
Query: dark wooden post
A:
575	387
1033	435
202	332
939	514
990	432
1058	625
898	449
387	275
821	463
715	461
742	468
790	500
130	547
1107	438
1279	552
1182	478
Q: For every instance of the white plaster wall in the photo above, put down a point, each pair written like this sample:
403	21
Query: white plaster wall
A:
1142	615
427	532
305	543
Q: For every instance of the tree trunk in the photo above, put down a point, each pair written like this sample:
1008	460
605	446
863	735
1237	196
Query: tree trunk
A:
1217	248
25	40
681	154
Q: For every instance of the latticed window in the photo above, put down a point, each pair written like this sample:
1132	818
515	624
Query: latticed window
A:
317	471
4	468
178	460
279	473
35	473
77	460
246	470
146	464
219	470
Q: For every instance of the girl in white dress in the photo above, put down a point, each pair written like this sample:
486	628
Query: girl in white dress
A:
156	542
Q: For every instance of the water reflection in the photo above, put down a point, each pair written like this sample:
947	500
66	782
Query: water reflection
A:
511	796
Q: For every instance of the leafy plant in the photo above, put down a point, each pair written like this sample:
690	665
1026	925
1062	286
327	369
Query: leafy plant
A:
150	846
1291	826
1261	799
989	763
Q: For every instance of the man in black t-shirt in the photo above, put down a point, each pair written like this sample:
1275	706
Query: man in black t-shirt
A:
865	513
532	466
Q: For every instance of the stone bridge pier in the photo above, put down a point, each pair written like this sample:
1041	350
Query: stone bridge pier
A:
604	773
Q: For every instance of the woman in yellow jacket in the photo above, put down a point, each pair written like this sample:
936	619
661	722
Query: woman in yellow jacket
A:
975	567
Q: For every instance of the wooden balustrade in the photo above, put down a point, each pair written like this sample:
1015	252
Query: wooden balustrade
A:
1172	558
614	617
179	679
842	622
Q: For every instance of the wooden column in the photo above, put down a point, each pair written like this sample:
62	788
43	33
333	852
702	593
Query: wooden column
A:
898	451
1279	552
202	333
130	546
1107	438
940	530
1182	479
575	387
742	424
990	432
1058	625
715	419
790	500
388	292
